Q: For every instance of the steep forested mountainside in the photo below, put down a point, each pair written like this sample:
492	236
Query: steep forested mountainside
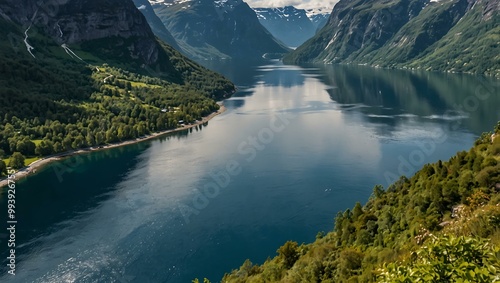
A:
87	73
446	35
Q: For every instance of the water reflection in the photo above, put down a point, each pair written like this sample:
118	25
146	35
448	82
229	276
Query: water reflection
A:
117	217
241	73
249	74
283	76
392	97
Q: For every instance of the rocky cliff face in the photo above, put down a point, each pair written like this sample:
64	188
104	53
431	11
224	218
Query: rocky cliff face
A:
155	23
409	33
490	8
208	29
81	21
426	29
360	25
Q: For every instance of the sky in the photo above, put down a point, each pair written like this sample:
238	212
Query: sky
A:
303	4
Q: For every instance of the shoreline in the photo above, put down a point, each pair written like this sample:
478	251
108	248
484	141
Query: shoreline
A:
33	167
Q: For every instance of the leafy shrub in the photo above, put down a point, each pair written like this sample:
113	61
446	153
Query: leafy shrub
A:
447	259
288	253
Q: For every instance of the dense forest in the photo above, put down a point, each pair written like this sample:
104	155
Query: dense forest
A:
441	225
56	103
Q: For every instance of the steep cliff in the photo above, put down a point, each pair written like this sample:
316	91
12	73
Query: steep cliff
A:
155	23
87	23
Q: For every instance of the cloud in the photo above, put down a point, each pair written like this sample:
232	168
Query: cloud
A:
303	4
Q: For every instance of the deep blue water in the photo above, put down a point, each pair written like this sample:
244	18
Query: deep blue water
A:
295	146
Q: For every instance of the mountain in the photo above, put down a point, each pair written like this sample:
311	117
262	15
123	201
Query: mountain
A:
446	35
110	31
86	73
208	29
79	22
440	225
319	16
155	23
290	25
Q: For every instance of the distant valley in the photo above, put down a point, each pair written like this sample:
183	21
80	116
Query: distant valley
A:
291	25
208	29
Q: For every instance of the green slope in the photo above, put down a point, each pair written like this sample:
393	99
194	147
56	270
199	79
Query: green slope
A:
108	97
440	225
472	45
419	33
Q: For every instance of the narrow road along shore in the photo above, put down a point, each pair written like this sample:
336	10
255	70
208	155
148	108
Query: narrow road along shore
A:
35	166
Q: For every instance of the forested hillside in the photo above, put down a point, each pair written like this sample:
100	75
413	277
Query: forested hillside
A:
441	225
54	101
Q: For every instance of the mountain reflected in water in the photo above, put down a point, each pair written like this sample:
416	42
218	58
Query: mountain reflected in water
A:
393	97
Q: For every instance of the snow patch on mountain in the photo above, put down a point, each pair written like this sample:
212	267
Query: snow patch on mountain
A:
221	6
318	11
279	13
226	5
168	2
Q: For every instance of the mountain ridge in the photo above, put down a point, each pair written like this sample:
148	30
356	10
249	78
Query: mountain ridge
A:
409	34
155	23
208	29
76	22
291	25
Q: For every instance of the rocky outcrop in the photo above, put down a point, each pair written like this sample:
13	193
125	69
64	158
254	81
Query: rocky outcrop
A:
82	21
490	8
155	23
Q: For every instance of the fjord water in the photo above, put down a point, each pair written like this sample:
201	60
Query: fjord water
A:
301	143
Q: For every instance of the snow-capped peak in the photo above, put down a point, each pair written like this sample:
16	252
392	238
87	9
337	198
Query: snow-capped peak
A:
220	4
227	4
318	11
168	2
